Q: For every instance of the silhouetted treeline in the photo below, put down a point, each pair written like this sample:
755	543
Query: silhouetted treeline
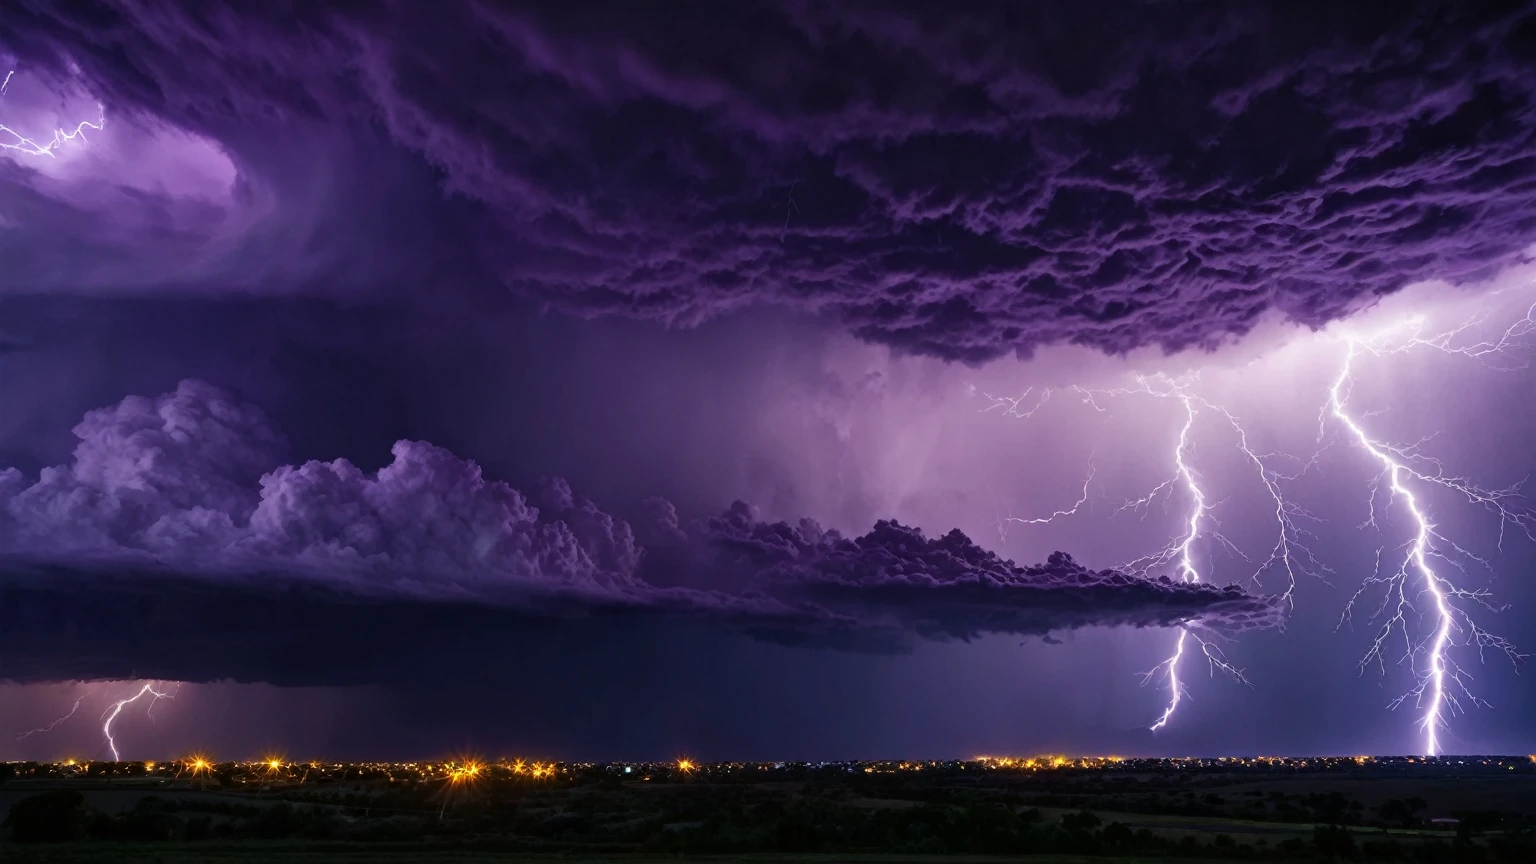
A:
734	822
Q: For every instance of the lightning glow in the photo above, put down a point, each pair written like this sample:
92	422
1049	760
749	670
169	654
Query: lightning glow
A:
116	708
31	146
1290	553
1186	567
1180	551
1441	682
1515	337
1422	581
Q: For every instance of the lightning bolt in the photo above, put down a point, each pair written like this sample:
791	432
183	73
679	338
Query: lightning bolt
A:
1428	560
51	726
1515	337
1441	683
1082	501
116	708
1186	568
1014	405
1180	552
1290	554
26	144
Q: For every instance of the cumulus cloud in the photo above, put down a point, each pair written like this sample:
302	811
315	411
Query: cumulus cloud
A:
963	183
195	477
180	512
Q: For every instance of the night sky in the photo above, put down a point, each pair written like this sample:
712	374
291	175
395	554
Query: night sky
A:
765	380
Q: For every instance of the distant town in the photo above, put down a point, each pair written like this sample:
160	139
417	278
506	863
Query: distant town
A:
276	771
1361	808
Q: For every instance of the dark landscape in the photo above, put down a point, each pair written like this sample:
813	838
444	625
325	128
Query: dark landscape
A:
1462	809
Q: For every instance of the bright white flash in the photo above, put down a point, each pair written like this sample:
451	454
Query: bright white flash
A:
1422	576
153	689
116	708
1187	570
1428	555
10	139
1290	553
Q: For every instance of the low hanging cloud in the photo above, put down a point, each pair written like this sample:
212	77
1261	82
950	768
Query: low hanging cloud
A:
964	183
178	544
950	588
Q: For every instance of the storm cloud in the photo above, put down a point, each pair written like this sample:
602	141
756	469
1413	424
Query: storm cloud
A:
178	544
964	183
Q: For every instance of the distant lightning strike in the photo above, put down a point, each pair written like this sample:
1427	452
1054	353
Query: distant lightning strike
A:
1187	571
26	144
116	708
1290	554
51	726
1082	501
1441	683
1181	551
1515	336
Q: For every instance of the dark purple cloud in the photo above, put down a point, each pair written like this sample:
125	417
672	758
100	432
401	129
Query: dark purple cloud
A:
950	588
177	544
963	182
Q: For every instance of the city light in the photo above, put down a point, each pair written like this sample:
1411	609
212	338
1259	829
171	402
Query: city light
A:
464	773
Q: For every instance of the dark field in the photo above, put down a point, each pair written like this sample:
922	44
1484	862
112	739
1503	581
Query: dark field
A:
1053	810
305	853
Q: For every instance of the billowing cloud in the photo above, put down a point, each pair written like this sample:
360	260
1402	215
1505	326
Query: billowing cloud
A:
963	183
178	544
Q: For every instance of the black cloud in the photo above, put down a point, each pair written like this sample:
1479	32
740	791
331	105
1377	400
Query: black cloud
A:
964	182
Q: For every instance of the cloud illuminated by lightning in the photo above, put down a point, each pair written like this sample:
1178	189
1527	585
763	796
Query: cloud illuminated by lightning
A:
1516	337
24	143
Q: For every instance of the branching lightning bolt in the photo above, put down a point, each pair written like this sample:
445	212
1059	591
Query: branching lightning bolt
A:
1426	560
1186	566
1180	552
1441	683
26	144
51	726
116	708
1290	553
1082	501
1516	336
